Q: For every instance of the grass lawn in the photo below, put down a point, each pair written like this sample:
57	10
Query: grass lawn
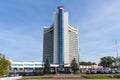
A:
102	76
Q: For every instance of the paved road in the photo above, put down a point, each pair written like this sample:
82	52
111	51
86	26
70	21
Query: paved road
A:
73	79
70	77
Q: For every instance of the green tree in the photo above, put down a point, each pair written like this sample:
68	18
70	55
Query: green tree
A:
107	61
87	63
74	65
47	67
117	62
4	65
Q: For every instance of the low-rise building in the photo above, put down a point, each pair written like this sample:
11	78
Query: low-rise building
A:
24	68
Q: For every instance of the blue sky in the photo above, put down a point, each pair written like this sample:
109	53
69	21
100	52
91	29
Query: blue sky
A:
22	22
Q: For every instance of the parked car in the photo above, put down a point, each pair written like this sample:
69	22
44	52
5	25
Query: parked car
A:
13	75
106	71
88	72
100	71
93	71
117	71
112	71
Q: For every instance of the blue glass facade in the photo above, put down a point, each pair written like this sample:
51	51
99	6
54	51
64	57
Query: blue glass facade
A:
60	36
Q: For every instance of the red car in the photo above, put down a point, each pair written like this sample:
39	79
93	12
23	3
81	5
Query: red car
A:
88	72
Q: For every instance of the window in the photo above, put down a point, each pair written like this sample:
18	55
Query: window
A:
17	64
28	64
38	65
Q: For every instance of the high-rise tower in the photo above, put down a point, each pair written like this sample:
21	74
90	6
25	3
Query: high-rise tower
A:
60	40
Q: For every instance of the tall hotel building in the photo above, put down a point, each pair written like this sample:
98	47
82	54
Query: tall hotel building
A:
60	40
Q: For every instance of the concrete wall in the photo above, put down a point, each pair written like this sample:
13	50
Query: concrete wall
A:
55	57
66	40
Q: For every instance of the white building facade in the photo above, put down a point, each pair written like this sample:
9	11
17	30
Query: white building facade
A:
30	68
60	40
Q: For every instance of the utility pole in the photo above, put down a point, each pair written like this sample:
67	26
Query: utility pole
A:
117	57
116	48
